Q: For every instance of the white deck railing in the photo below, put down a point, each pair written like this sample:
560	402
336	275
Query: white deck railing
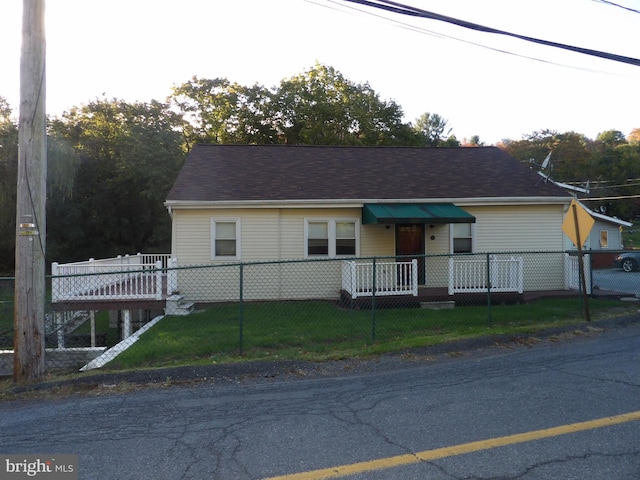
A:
470	275
389	278
129	277
572	272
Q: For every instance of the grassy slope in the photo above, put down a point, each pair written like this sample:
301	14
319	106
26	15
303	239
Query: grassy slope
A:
320	331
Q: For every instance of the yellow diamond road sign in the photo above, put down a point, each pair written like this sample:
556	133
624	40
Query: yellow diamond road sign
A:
583	226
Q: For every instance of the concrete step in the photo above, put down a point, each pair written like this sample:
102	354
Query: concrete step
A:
176	305
442	305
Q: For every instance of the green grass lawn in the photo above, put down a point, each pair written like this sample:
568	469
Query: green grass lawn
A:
322	330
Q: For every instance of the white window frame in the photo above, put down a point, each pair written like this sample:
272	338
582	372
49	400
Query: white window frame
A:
331	229
473	237
235	220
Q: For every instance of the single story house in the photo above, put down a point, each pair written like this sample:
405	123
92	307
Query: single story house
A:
258	203
605	238
606	233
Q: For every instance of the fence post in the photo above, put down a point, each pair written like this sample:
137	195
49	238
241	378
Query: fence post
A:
373	301
353	285
489	319
172	276
414	277
55	282
59	323
92	315
159	280
241	308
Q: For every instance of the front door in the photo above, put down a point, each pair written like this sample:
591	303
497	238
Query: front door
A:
410	242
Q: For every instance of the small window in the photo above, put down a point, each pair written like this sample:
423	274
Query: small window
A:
604	238
345	238
462	238
225	235
318	241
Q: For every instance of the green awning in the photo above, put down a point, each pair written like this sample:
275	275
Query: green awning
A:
414	213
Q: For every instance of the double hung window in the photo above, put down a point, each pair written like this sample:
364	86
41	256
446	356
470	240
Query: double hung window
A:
462	237
331	238
225	239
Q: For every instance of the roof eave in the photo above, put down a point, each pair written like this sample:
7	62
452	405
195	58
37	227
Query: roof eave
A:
356	203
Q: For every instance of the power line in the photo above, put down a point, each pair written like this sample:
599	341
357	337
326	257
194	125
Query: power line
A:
603	184
402	9
620	197
424	31
617	5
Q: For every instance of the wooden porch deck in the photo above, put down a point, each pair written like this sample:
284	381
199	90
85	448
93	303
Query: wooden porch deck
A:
101	305
115	297
130	282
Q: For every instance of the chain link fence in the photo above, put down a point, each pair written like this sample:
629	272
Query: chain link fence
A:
285	309
6	312
6	325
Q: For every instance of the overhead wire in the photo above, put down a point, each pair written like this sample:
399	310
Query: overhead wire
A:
618	5
421	30
620	197
400	8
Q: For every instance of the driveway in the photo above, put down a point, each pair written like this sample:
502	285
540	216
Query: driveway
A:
617	280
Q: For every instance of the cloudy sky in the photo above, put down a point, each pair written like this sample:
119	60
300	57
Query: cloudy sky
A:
484	84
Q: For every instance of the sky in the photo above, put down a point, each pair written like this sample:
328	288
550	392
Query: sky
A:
483	84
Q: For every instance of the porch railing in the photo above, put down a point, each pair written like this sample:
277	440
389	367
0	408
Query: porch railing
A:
389	278
572	272
129	277
480	274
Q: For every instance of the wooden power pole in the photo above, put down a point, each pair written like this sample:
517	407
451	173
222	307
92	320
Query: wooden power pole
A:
29	336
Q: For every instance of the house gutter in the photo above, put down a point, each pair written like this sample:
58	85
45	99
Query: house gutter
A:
357	203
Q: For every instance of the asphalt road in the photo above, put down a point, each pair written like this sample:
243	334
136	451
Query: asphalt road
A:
617	280
540	401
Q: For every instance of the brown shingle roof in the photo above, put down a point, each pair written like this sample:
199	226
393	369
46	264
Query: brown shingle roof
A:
214	173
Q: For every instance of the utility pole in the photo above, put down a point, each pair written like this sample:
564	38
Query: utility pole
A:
28	360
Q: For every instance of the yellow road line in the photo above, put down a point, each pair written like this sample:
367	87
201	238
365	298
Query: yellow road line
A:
399	460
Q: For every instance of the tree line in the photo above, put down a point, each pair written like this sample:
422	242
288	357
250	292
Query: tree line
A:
111	163
608	167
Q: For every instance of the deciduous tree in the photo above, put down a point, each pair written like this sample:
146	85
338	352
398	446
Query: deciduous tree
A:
8	185
127	155
317	107
321	107
433	131
218	111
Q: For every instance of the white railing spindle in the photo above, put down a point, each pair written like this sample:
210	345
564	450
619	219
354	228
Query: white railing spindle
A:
126	277
392	278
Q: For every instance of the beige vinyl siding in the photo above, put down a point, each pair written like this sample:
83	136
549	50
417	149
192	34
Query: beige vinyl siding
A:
437	249
518	228
440	242
530	228
377	241
278	234
193	236
259	234
266	234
